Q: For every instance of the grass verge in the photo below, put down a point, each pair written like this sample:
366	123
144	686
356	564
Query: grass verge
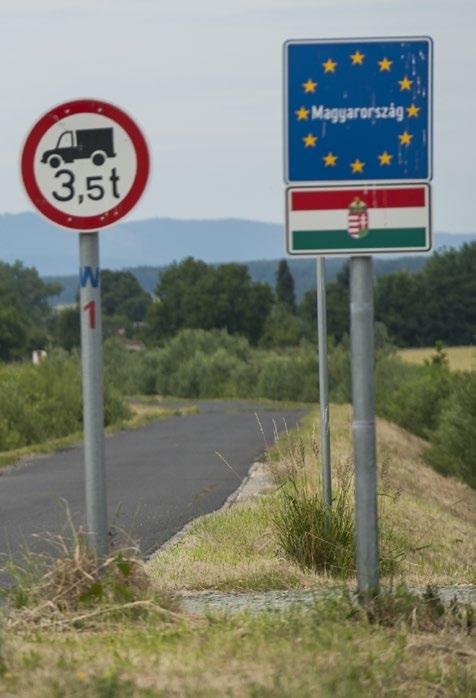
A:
80	627
428	522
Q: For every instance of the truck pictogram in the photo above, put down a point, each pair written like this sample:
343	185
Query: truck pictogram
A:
96	144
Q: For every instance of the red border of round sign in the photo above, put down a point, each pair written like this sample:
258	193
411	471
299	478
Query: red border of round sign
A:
84	223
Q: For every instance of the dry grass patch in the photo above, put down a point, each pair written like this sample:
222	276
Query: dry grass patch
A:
146	412
434	514
72	587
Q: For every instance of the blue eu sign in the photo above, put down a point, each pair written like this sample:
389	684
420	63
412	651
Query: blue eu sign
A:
358	110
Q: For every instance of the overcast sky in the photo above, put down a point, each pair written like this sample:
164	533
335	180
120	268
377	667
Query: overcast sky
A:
204	80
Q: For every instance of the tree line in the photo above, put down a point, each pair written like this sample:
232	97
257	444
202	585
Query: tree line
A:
435	303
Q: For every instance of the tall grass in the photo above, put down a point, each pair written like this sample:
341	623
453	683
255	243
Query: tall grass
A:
317	536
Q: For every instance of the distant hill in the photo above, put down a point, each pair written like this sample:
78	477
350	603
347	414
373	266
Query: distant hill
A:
155	242
303	271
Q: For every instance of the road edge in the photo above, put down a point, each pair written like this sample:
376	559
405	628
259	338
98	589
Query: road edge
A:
257	481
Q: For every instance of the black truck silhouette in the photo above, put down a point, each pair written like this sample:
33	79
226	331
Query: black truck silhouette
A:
87	143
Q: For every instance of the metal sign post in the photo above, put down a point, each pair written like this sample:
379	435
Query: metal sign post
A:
358	154
93	409
323	380
363	423
85	165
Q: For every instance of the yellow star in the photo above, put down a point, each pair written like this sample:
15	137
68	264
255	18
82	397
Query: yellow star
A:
329	66
309	86
405	84
385	64
357	58
385	158
302	114
413	110
405	138
330	160
310	141
357	166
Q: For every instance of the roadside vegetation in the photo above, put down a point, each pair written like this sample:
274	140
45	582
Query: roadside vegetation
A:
41	406
406	646
427	522
76	626
211	332
428	400
44	402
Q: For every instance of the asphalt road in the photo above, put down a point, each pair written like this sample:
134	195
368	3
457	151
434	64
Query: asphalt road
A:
159	476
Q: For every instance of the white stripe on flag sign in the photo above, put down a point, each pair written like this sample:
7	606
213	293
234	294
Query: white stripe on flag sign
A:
378	218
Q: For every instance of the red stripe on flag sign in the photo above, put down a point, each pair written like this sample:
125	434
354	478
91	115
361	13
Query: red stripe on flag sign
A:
374	198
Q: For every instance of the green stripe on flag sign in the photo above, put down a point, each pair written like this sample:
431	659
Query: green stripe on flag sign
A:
303	240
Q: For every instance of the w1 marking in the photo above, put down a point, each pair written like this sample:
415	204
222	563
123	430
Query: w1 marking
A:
91	309
90	276
87	274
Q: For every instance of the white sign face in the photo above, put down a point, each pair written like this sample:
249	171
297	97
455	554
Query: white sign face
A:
85	164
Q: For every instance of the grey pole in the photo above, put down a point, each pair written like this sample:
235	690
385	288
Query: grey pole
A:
363	424
323	379
93	409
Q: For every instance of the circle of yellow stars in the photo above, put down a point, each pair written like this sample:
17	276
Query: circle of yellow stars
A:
330	66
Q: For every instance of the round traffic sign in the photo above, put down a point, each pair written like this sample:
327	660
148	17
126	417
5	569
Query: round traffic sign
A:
85	164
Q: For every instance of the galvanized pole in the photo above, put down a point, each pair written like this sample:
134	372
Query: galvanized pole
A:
323	379
93	409
363	424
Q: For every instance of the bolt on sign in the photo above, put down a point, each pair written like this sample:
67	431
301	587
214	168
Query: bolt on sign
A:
85	164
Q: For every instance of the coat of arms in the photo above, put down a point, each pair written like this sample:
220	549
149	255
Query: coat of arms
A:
358	219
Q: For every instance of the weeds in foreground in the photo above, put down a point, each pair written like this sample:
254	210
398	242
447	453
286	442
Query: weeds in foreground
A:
309	531
426	613
72	586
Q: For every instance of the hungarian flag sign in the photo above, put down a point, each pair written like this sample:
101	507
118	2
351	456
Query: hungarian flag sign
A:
350	220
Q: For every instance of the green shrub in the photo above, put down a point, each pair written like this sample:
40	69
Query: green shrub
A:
216	375
43	402
289	375
196	363
453	443
412	396
132	373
